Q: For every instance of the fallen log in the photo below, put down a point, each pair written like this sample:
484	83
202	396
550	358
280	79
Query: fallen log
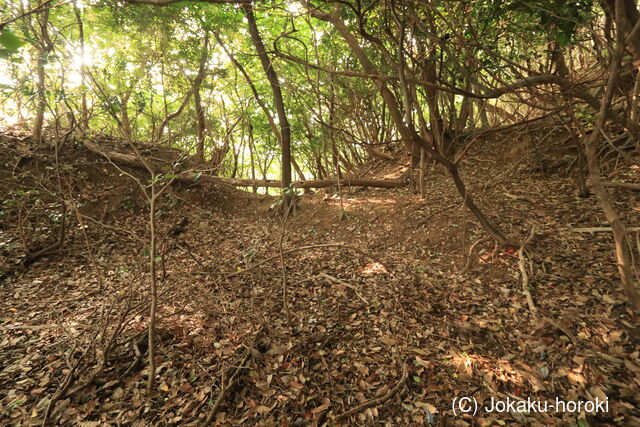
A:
318	183
114	156
601	230
136	161
626	185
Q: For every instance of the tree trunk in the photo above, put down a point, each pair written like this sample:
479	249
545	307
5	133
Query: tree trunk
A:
195	92
346	181
136	161
285	129
623	254
42	97
200	126
200	121
251	155
154	288
45	46
236	154
125	122
627	17
83	74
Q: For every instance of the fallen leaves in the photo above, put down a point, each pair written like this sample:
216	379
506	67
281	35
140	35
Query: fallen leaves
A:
458	333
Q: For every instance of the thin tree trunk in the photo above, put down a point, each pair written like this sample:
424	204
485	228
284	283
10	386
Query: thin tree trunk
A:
83	74
154	288
251	154
635	99
125	122
623	254
435	118
44	48
236	154
42	99
422	168
200	126
195	92
627	18
285	129
197	83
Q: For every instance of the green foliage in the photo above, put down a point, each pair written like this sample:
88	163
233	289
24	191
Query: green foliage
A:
142	62
10	43
562	18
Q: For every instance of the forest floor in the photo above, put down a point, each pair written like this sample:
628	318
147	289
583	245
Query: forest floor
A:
379	303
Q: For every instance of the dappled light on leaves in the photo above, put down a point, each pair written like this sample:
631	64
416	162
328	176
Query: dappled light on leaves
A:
374	268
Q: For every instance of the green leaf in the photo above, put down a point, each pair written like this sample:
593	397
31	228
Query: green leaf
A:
582	422
562	39
10	41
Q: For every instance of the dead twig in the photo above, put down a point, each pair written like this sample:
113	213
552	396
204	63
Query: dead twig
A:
470	255
29	327
224	389
69	378
227	385
138	359
525	275
340	282
378	400
600	229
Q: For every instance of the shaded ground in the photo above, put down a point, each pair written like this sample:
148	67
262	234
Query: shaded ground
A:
387	295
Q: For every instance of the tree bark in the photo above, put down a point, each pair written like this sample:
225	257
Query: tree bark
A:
193	91
125	122
42	100
272	77
623	254
83	74
627	20
251	155
45	46
345	181
625	185
151	334
200	120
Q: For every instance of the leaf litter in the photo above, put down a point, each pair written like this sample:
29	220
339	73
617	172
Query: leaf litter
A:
358	317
